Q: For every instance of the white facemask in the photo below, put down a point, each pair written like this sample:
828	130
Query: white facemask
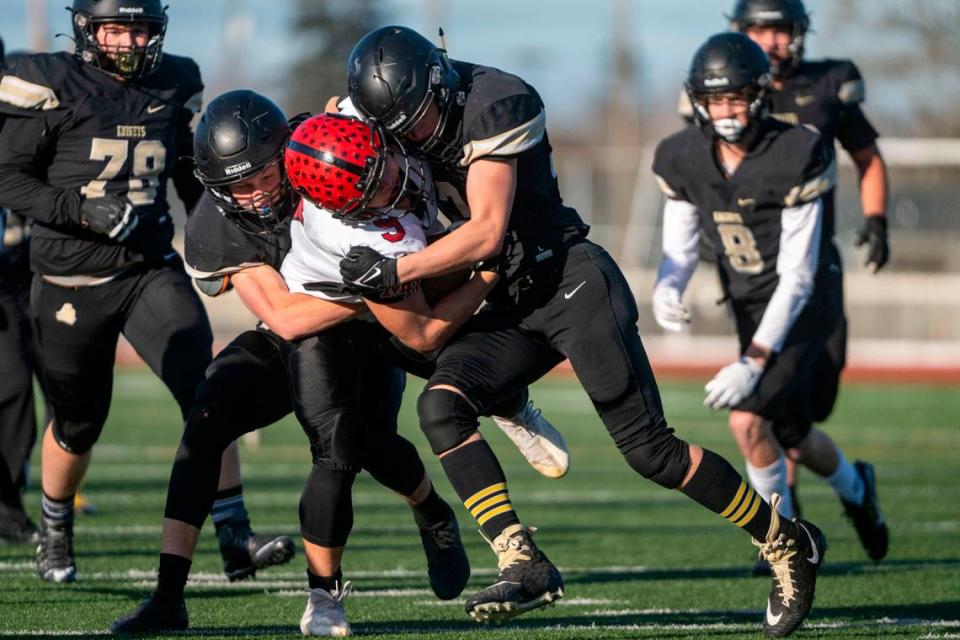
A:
730	129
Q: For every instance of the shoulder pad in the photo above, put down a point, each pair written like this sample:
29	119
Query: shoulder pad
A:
846	77
28	84
214	286
185	72
503	116
819	175
667	160
212	246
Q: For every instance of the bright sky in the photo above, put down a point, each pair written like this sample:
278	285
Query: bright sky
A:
562	47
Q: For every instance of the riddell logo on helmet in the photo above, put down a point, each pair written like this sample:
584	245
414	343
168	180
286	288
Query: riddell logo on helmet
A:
123	10
396	123
716	82
769	15
237	168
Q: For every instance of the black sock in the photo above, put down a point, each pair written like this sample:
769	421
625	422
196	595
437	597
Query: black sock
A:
56	511
327	583
431	511
478	479
717	486
172	577
228	506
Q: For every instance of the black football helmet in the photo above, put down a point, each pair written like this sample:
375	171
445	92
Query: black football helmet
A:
394	74
240	134
789	14
138	61
729	63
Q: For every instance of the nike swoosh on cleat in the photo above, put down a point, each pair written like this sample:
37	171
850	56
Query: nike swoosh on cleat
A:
569	295
773	620
815	558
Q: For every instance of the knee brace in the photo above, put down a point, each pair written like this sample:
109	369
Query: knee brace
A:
77	436
396	465
446	418
664	459
326	507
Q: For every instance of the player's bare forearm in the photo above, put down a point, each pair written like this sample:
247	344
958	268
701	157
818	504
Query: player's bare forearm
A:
490	189
289	315
425	328
874	182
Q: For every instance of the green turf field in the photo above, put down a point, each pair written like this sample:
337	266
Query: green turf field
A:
639	561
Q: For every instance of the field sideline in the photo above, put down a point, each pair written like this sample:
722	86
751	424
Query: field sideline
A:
638	561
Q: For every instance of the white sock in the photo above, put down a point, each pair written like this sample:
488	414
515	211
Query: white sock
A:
847	482
770	480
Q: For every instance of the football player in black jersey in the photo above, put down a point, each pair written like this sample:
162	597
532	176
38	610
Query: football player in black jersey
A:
483	131
18	426
755	186
89	143
826	94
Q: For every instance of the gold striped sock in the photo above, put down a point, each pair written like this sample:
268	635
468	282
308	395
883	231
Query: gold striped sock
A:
744	506
489	502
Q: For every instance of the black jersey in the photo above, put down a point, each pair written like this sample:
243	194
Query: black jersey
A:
215	247
74	131
741	215
503	117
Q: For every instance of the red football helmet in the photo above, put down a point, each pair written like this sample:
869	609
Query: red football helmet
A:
351	168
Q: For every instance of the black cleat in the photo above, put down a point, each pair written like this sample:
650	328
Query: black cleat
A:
867	519
19	530
527	579
797	513
55	561
152	616
447	563
795	552
244	552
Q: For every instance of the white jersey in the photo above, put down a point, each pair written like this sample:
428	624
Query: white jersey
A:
319	241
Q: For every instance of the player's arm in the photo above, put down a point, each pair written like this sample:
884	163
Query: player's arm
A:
426	328
681	240
188	187
491	183
289	315
800	235
22	141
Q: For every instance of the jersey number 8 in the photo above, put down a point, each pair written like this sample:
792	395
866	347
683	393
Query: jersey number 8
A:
741	248
149	158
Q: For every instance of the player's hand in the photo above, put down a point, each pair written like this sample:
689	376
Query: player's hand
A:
732	384
670	313
874	235
366	271
111	216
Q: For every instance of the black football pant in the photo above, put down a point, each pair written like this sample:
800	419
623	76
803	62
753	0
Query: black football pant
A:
18	426
158	312
346	399
579	306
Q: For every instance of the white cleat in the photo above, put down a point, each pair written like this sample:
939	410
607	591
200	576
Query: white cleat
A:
538	440
324	615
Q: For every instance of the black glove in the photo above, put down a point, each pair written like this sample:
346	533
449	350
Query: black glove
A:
367	272
874	235
111	216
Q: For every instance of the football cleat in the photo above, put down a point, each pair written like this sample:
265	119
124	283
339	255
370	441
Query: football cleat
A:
867	519
324	615
795	552
244	552
55	561
153	615
19	530
447	563
527	579
538	440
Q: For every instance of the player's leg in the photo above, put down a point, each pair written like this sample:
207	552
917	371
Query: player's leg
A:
540	443
18	427
488	362
245	389
598	332
393	461
77	338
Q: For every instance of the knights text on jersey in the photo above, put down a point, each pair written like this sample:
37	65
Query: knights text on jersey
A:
79	132
319	241
787	167
214	246
503	117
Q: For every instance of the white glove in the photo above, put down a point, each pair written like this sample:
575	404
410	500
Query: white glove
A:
670	313
732	384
